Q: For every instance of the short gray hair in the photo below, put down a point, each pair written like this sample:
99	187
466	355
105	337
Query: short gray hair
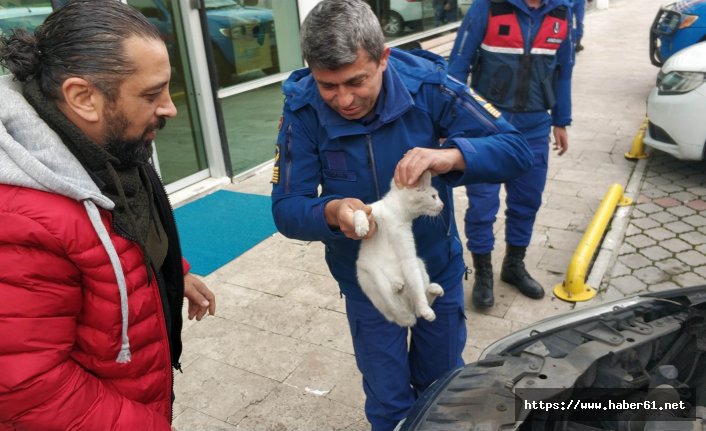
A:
334	30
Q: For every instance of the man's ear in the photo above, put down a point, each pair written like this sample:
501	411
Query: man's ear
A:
385	56
82	99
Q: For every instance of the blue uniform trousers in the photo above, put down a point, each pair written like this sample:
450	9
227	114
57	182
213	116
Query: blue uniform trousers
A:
579	12
393	373
524	197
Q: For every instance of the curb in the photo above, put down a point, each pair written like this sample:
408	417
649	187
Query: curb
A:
612	241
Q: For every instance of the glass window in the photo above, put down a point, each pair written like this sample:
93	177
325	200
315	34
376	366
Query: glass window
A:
251	120
249	53
404	17
180	146
251	39
26	14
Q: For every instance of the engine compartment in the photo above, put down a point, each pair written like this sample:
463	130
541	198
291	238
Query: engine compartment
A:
635	368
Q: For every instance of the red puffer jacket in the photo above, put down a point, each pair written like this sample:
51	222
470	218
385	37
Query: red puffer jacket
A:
60	323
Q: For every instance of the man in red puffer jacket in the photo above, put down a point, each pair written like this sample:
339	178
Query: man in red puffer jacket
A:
92	278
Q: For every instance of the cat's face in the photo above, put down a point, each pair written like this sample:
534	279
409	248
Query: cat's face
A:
424	199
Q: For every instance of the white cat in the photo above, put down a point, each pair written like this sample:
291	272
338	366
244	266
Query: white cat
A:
389	271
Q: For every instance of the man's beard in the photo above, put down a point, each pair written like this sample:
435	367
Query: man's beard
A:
130	152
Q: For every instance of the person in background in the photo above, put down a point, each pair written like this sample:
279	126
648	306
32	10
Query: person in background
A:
359	116
579	12
445	11
520	57
93	280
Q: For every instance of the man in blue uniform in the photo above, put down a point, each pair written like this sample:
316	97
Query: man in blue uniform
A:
520	57
359	116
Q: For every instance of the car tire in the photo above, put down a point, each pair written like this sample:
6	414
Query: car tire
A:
395	24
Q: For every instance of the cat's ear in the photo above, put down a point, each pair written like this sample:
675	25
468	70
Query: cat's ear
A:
425	180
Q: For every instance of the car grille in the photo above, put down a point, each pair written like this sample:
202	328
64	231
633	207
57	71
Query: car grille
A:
659	134
666	22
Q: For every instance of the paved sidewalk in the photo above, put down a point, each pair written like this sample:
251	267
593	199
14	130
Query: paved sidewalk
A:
278	354
664	246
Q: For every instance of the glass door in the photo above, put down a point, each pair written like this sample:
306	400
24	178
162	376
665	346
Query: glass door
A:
180	155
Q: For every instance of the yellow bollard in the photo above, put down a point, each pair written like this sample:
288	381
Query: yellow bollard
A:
574	288
638	144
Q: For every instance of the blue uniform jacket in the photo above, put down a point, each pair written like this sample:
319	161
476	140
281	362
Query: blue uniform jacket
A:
470	35
417	106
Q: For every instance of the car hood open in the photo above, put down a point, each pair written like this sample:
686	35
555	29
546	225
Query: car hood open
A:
638	349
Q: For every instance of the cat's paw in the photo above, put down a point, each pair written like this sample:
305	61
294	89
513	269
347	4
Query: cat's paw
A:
360	221
435	290
427	314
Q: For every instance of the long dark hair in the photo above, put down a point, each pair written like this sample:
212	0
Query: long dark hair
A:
84	38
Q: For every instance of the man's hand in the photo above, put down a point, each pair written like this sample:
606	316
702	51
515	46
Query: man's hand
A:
561	140
201	299
417	160
339	214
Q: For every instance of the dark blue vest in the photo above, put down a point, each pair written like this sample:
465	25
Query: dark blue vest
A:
513	75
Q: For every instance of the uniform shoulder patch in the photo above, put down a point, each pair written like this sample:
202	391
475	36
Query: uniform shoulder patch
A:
275	167
492	110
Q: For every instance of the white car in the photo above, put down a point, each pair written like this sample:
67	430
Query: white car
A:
404	13
676	107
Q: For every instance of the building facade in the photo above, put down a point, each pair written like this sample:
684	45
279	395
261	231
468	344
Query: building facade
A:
229	58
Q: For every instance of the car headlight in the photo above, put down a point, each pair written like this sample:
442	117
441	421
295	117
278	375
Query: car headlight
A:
679	82
687	20
224	31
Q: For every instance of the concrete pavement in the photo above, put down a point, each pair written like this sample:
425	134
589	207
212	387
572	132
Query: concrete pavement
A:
664	246
278	354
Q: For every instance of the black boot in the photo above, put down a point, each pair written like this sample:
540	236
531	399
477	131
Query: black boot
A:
483	286
579	47
514	272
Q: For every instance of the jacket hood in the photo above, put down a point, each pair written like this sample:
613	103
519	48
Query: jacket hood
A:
405	74
32	155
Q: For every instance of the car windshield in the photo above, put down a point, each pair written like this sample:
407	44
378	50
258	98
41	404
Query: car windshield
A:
222	4
23	8
26	15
